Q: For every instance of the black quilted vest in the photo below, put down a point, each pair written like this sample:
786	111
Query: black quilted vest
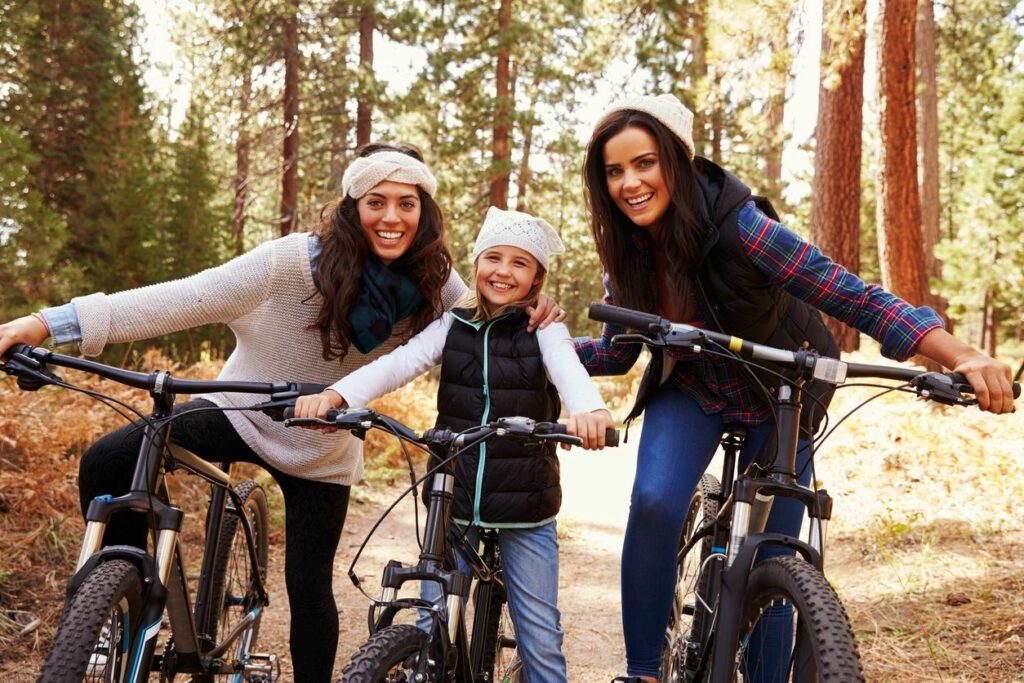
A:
741	301
490	370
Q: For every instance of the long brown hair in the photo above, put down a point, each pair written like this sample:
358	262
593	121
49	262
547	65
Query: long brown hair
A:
482	309
618	238
344	250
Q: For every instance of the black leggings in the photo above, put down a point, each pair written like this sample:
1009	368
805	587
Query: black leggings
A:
314	516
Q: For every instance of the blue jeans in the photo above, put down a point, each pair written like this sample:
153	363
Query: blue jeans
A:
530	563
677	443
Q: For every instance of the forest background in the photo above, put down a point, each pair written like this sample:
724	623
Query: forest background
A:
105	184
914	177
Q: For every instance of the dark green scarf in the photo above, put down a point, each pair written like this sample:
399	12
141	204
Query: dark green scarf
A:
385	297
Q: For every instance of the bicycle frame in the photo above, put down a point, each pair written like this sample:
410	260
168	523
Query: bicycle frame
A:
163	572
749	502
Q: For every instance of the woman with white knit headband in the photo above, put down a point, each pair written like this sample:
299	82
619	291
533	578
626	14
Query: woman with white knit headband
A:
304	308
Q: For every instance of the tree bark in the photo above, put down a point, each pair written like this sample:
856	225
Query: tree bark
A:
504	108
242	147
364	107
698	48
928	143
290	149
899	211
835	208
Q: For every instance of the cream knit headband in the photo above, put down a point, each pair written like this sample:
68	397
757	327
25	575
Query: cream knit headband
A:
667	109
366	172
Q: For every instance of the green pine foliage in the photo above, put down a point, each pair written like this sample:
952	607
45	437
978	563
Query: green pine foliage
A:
101	190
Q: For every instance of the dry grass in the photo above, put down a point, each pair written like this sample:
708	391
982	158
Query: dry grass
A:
927	537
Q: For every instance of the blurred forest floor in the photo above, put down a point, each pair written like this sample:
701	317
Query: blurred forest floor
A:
925	546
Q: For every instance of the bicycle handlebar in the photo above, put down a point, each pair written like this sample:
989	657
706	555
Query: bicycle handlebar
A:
362	419
944	387
28	363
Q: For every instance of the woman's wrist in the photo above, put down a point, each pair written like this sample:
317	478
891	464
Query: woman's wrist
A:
42	320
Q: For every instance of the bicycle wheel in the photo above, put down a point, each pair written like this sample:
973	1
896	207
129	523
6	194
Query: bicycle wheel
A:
234	576
794	627
390	655
690	617
92	642
500	653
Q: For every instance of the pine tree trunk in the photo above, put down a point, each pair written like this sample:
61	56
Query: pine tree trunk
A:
364	107
502	150
899	212
525	173
290	150
698	12
242	146
928	143
776	111
835	207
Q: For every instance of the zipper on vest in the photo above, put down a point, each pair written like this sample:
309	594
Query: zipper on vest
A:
483	420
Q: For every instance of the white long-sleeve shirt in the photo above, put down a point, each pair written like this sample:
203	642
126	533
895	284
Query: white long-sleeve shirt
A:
423	352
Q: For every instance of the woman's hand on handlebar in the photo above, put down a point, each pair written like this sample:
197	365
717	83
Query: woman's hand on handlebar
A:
317	405
991	380
590	427
26	330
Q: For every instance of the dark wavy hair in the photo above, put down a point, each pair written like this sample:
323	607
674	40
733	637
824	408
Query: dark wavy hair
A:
344	250
624	246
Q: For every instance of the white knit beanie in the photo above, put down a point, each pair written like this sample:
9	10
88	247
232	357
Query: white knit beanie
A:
518	229
667	109
366	172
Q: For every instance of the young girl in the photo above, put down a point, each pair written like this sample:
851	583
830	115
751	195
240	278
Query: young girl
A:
491	367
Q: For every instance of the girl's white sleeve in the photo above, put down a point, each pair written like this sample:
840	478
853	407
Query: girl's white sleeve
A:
566	372
396	369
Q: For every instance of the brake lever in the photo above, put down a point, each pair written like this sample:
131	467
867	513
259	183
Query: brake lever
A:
939	387
32	373
634	338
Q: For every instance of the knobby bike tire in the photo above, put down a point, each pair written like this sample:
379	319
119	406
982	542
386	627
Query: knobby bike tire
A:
390	655
689	620
234	578
823	645
500	652
97	625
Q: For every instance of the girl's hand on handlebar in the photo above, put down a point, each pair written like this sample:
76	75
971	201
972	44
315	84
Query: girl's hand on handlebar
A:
27	330
317	405
544	313
991	380
590	427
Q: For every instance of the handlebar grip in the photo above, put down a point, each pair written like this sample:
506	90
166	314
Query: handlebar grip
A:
624	317
611	436
958	378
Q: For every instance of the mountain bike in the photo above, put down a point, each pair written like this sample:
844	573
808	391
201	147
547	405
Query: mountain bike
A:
444	650
722	592
121	597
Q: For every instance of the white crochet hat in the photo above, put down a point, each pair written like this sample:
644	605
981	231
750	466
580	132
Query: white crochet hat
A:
366	172
518	229
667	109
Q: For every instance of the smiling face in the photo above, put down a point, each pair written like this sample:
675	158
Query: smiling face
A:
390	217
633	173
506	274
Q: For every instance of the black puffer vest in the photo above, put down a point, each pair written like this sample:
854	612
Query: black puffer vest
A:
490	370
741	300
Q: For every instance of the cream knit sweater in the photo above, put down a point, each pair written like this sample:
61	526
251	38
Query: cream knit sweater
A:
262	296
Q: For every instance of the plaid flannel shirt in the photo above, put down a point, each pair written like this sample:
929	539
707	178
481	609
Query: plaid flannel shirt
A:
802	270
